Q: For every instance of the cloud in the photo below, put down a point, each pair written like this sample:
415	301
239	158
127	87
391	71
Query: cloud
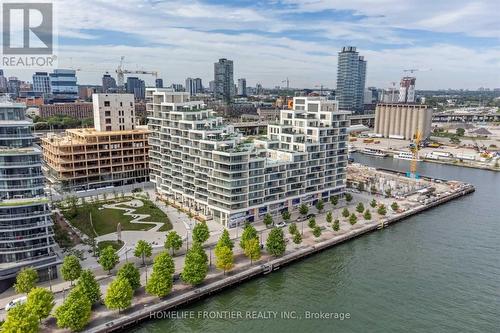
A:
270	41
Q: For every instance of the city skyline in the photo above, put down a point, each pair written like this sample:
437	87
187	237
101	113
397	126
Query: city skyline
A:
270	41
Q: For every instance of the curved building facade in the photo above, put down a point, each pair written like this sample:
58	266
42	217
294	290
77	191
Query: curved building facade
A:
26	233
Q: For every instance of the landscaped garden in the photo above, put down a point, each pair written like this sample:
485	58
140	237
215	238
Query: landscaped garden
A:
91	216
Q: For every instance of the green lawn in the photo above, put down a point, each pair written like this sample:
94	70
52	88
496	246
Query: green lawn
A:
104	244
105	220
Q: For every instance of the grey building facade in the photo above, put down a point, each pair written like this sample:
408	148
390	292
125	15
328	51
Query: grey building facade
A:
26	234
224	80
351	77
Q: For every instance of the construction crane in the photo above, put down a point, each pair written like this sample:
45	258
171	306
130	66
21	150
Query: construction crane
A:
413	70
120	74
287	83
414	148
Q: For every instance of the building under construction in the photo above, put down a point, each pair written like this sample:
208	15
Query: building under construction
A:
114	153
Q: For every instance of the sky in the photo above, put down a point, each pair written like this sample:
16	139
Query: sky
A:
456	43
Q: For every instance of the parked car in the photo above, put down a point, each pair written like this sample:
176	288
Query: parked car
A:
14	302
281	224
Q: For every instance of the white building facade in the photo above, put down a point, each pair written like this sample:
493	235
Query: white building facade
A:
207	167
113	112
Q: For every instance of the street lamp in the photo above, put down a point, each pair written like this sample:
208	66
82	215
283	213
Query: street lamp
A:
210	255
146	268
50	278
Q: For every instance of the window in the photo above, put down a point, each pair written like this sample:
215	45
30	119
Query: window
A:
107	103
108	121
107	113
121	103
108	128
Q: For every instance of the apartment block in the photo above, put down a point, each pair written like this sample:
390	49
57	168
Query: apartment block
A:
206	166
82	159
26	234
113	112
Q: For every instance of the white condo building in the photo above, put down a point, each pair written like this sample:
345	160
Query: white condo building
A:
211	169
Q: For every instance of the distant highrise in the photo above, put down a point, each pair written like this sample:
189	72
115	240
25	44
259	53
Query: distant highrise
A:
211	86
407	90
371	95
194	86
177	87
3	82
108	83
224	81
351	76
13	86
41	83
242	87
159	83
63	86
136	86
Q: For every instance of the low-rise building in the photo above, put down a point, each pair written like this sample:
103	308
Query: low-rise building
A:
78	110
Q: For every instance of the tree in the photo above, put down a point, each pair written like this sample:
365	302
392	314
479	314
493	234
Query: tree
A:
320	205
353	219
460	131
360	208
303	209
89	286
317	231
388	193
108	258
249	232
334	200
131	274
348	197
119	294
361	187
160	283
224	259
312	222
268	220
297	238
367	215
71	268
75	312
173	241
20	319
373	190
225	240
329	217
201	233
345	212
142	250
195	265
293	228
26	280
275	243
252	250
394	206
373	203
286	215
72	203
336	225
382	210
40	302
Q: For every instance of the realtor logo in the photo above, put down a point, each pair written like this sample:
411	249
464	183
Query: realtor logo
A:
28	34
27	28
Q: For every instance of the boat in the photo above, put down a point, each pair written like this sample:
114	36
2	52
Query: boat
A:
404	155
373	152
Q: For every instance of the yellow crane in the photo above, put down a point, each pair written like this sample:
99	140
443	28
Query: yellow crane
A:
414	148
